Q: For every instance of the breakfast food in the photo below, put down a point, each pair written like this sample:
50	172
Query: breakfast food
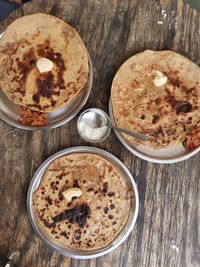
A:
83	201
32	118
192	140
43	63
157	93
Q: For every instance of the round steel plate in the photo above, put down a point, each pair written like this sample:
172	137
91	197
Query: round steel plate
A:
80	254
9	110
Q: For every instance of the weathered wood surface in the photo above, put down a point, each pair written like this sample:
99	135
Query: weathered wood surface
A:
167	232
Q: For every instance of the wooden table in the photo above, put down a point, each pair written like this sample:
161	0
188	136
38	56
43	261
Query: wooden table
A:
167	232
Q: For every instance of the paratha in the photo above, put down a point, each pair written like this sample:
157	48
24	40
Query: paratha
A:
165	113
92	220
29	39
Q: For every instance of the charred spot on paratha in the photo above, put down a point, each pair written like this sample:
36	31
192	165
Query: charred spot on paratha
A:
78	214
155	118
183	107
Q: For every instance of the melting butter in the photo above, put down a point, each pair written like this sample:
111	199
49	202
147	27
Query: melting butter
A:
44	64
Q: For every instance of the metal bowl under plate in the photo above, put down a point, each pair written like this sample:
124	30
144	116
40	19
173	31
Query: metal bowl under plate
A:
9	110
81	254
167	155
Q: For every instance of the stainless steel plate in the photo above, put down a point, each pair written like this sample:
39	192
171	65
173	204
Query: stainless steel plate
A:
80	254
9	110
166	155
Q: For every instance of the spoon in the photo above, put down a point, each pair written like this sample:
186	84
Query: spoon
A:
97	119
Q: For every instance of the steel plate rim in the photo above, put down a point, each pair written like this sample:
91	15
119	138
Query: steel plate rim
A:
148	158
86	149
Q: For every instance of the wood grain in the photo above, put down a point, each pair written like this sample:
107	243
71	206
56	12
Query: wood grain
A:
167	232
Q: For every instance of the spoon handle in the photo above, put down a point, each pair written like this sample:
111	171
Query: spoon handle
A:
131	133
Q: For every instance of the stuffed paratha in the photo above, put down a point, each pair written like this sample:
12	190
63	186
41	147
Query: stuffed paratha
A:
92	220
157	93
35	37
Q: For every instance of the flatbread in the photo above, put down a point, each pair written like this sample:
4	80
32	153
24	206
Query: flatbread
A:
95	218
42	36
166	113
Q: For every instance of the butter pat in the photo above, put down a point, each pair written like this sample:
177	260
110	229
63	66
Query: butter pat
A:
93	134
72	192
44	64
159	78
